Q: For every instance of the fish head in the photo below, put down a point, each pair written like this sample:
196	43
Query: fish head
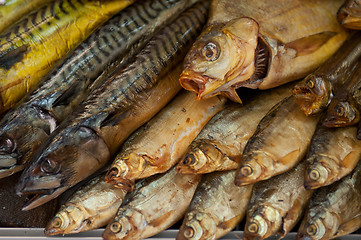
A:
349	15
126	223
202	157
264	222
65	220
318	224
118	172
64	160
21	134
312	94
222	57
341	114
197	225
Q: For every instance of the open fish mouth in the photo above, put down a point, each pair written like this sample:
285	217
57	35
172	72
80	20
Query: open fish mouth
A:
262	61
194	82
37	198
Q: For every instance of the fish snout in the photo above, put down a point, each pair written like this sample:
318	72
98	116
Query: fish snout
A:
193	82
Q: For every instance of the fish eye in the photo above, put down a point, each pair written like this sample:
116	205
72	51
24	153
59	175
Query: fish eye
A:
246	170
115	227
210	51
340	111
189	160
57	222
314	175
253	228
188	232
7	145
311	230
310	83
49	166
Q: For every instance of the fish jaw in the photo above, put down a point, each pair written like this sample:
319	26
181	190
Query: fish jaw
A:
223	53
341	114
313	94
349	15
62	163
197	225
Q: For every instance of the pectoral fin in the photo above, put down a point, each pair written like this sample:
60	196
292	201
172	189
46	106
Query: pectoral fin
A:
310	44
10	58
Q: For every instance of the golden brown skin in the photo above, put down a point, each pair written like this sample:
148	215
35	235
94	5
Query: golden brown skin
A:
349	15
220	144
277	204
154	148
261	44
334	210
218	205
333	153
279	143
157	203
314	93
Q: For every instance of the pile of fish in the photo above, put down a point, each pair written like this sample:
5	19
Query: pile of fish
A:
96	130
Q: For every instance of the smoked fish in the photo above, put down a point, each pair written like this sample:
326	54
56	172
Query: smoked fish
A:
333	154
26	126
349	14
277	204
12	11
219	146
218	205
92	206
334	210
314	93
36	44
85	141
261	44
156	204
154	148
279	143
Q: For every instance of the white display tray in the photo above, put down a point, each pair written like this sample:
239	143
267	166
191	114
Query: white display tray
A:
37	233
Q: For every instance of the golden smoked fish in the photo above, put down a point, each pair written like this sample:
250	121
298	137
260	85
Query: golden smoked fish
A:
156	204
277	204
333	153
349	14
334	210
279	143
154	148
26	126
261	44
218	205
314	93
85	141
92	206
13	10
220	144
32	47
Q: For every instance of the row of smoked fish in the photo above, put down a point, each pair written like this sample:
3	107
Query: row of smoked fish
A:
95	118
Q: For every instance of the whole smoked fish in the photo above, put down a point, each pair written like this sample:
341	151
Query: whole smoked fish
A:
27	125
32	47
84	142
156	204
220	144
218	205
334	210
279	143
277	204
261	44
154	148
314	93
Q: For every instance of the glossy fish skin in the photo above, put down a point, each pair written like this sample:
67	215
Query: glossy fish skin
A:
27	51
156	204
218	205
334	210
279	143
314	93
92	206
84	142
244	47
349	14
277	204
12	11
219	146
28	124
155	149
333	153
344	108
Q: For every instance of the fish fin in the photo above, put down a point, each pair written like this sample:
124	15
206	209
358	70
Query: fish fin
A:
349	227
12	57
310	44
232	95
